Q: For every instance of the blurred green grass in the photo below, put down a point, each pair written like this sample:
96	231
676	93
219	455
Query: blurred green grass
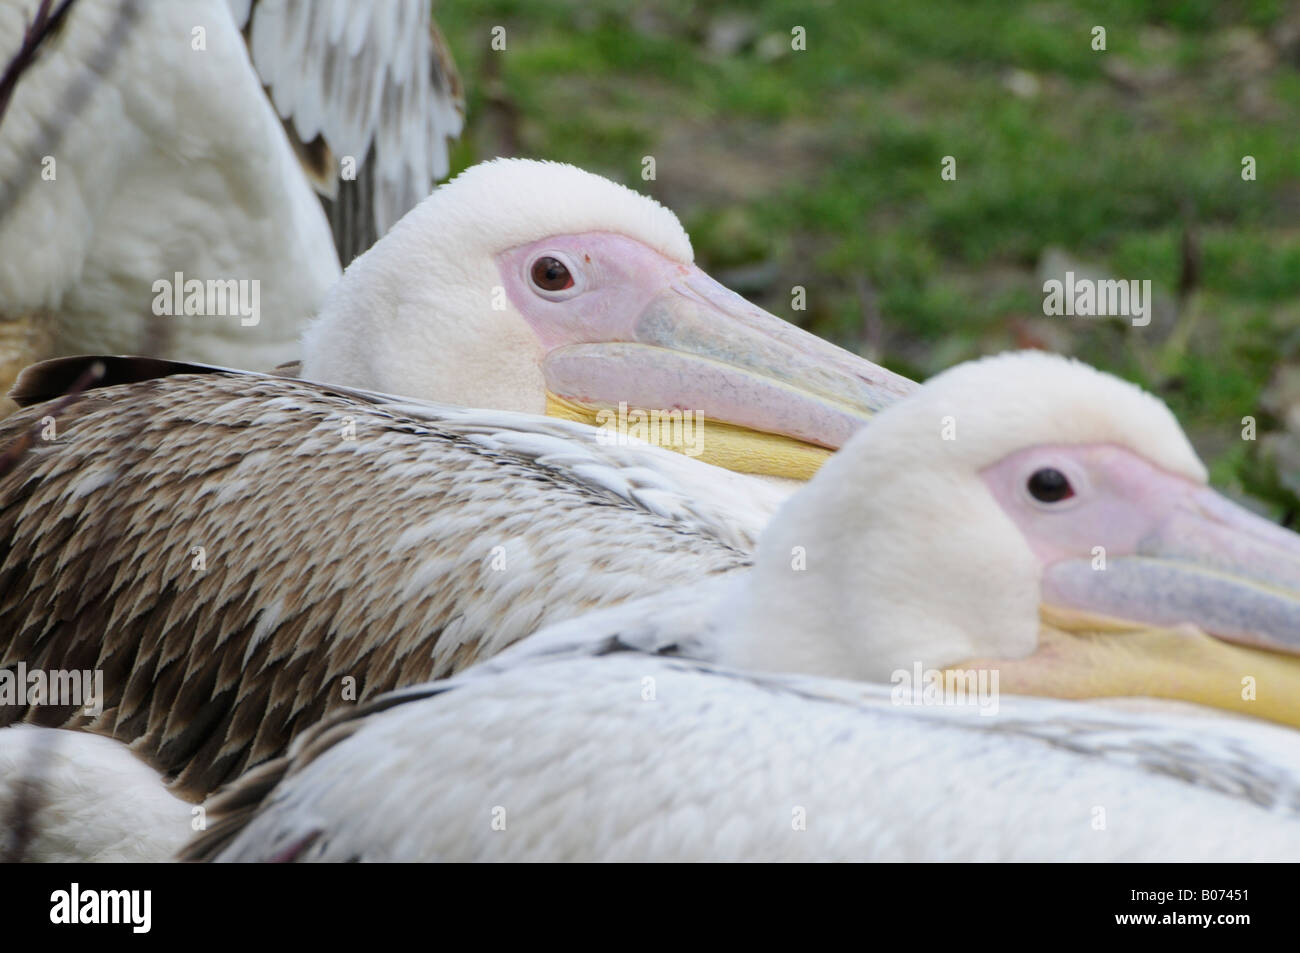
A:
821	168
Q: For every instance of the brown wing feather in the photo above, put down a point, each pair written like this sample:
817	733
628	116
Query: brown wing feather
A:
209	671
231	809
53	378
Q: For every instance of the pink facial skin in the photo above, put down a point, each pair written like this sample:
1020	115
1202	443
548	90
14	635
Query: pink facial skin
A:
614	279
1174	550
656	333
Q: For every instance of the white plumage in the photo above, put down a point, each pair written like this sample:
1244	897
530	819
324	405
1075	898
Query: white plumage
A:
444	308
140	145
632	757
91	801
570	760
422	313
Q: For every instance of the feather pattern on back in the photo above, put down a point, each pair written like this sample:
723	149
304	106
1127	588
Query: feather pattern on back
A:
241	554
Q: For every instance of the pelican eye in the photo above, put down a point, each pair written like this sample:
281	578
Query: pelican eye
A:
1049	485
550	274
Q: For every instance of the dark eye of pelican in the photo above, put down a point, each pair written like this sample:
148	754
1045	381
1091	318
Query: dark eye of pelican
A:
1049	485
549	274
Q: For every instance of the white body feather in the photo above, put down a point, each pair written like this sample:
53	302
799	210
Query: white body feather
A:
93	800
141	144
631	757
152	178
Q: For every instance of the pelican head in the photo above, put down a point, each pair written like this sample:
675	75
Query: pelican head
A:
1018	489
538	287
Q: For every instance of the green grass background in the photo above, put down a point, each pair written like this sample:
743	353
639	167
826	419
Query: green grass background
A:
821	168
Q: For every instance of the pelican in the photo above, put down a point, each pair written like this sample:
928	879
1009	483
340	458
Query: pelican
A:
435	536
123	194
409	539
958	534
541	288
453	304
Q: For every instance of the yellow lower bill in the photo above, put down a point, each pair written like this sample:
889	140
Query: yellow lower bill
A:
1086	656
711	441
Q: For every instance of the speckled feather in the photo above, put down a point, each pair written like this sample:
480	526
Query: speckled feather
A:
314	544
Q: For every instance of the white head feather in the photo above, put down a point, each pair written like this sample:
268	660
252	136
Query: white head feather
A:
908	556
431	285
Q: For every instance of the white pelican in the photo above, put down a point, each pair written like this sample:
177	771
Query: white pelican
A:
538	287
447	306
407	541
931	542
115	181
433	537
